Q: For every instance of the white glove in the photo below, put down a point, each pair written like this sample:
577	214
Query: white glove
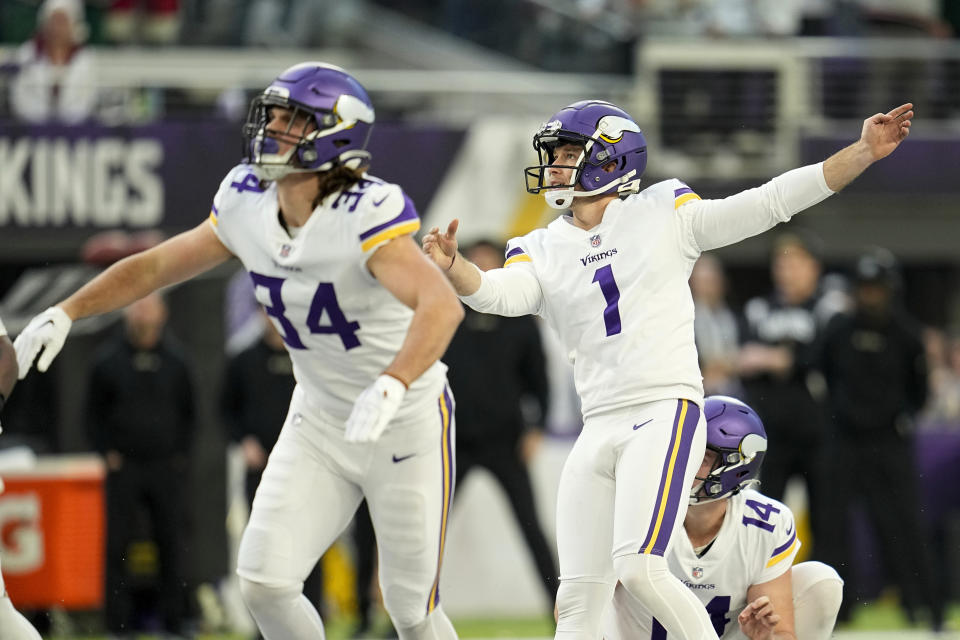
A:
374	409
46	331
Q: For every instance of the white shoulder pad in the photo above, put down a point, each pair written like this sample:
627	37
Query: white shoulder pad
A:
238	181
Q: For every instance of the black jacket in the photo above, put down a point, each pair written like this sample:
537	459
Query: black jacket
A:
875	370
140	402
494	362
256	393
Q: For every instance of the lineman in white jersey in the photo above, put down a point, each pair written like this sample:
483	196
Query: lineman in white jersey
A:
738	548
12	625
610	276
365	317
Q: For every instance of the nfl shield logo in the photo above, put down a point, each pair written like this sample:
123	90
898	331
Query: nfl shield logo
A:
595	241
697	572
285	250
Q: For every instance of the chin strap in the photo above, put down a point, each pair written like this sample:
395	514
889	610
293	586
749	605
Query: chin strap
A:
563	198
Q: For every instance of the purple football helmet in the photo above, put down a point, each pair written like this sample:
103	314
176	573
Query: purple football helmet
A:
332	100
607	134
735	432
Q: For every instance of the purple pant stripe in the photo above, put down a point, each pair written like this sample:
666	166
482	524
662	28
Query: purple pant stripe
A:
672	480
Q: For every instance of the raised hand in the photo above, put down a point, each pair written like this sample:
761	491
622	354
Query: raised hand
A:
442	247
883	132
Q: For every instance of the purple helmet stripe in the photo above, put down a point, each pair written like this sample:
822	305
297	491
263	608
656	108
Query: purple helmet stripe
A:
409	213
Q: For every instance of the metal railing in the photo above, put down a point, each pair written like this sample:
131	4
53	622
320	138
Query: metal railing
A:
733	108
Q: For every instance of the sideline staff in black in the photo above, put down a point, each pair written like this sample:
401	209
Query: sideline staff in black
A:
140	417
875	366
495	363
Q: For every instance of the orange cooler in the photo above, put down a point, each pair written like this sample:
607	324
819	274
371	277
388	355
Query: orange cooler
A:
52	533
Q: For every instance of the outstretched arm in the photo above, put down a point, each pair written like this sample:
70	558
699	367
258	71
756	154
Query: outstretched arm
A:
717	223
175	260
179	258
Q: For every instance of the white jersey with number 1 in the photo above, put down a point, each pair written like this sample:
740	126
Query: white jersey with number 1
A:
341	327
617	294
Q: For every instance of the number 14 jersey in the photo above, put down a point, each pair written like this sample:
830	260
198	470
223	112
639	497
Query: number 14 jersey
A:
341	327
757	543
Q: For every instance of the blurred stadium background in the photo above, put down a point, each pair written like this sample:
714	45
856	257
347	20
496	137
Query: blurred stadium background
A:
729	93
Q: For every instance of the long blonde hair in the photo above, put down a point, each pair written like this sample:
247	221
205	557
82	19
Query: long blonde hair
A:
336	179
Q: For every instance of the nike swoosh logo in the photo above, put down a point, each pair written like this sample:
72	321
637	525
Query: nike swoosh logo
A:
637	426
379	202
402	458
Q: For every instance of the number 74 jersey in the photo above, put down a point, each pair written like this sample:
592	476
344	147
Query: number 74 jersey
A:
618	297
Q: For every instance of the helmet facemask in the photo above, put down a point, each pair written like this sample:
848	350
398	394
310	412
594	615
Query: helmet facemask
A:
592	173
733	470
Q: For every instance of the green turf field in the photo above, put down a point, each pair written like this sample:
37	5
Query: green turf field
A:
880	620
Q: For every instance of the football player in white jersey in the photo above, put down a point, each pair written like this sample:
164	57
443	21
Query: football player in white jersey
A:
12	625
738	549
611	277
365	317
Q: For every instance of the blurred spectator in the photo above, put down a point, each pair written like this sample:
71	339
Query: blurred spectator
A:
873	361
140	417
943	364
903	18
715	328
256	395
776	363
496	365
53	81
301	23
753	18
154	22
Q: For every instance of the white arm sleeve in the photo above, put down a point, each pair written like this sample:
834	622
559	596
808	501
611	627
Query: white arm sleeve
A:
716	223
3	329
509	291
